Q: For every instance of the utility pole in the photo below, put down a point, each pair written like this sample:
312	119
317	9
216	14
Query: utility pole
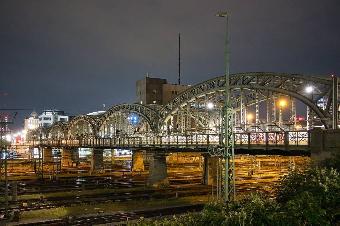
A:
6	182
3	126
228	177
4	122
335	102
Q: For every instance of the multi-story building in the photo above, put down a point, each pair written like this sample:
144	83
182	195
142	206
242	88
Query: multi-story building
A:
48	117
4	121
157	91
31	122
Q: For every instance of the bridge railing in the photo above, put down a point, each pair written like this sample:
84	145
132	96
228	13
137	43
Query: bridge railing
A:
287	138
265	140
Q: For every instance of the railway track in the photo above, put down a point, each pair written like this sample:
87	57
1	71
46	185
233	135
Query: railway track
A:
117	217
54	202
91	182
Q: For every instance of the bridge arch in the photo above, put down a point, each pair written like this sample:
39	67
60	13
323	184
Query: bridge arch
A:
292	85
37	134
83	126
58	130
122	111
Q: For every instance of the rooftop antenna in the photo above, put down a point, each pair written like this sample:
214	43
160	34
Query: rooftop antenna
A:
179	58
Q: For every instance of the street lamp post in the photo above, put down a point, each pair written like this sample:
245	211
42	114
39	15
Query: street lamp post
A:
335	102
250	117
228	178
282	104
3	149
309	90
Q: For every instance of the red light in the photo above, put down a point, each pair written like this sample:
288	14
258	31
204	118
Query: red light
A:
300	118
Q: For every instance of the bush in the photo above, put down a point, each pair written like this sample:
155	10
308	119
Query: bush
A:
311	197
305	209
317	187
333	162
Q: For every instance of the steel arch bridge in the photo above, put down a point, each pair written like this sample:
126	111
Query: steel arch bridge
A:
193	118
265	84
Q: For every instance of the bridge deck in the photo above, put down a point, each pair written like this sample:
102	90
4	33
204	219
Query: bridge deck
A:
256	142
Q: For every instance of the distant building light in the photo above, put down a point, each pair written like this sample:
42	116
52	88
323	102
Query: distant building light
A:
96	113
8	137
133	119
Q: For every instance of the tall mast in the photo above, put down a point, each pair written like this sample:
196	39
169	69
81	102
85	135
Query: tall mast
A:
179	58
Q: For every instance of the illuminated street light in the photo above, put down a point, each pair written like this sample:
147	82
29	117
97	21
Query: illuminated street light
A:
8	137
309	89
250	117
210	105
282	104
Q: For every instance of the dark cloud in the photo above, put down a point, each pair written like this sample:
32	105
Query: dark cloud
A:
76	55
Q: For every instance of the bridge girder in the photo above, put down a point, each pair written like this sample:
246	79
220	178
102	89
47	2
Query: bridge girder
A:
57	130
92	123
282	83
151	115
262	83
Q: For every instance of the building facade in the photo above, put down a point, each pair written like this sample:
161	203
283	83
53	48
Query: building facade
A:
157	91
48	117
31	122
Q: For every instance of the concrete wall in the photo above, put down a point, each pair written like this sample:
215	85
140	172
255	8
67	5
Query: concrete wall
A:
170	91
149	90
324	143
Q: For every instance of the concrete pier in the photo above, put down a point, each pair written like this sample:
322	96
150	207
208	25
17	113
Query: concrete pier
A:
66	157
138	161
47	154
324	144
210	170
97	160
158	175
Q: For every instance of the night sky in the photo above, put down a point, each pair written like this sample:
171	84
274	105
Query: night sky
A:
76	55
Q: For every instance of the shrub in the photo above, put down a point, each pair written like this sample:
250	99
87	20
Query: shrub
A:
310	197
321	185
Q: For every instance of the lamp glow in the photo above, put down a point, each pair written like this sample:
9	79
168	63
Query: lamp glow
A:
8	137
309	89
282	103
210	105
250	117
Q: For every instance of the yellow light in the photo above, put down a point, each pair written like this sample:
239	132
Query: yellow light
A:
282	103
298	127
250	116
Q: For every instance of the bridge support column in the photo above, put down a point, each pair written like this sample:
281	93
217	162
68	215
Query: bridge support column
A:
75	156
47	154
274	108
210	170
137	161
112	156
97	160
14	190
66	157
158	175
335	105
